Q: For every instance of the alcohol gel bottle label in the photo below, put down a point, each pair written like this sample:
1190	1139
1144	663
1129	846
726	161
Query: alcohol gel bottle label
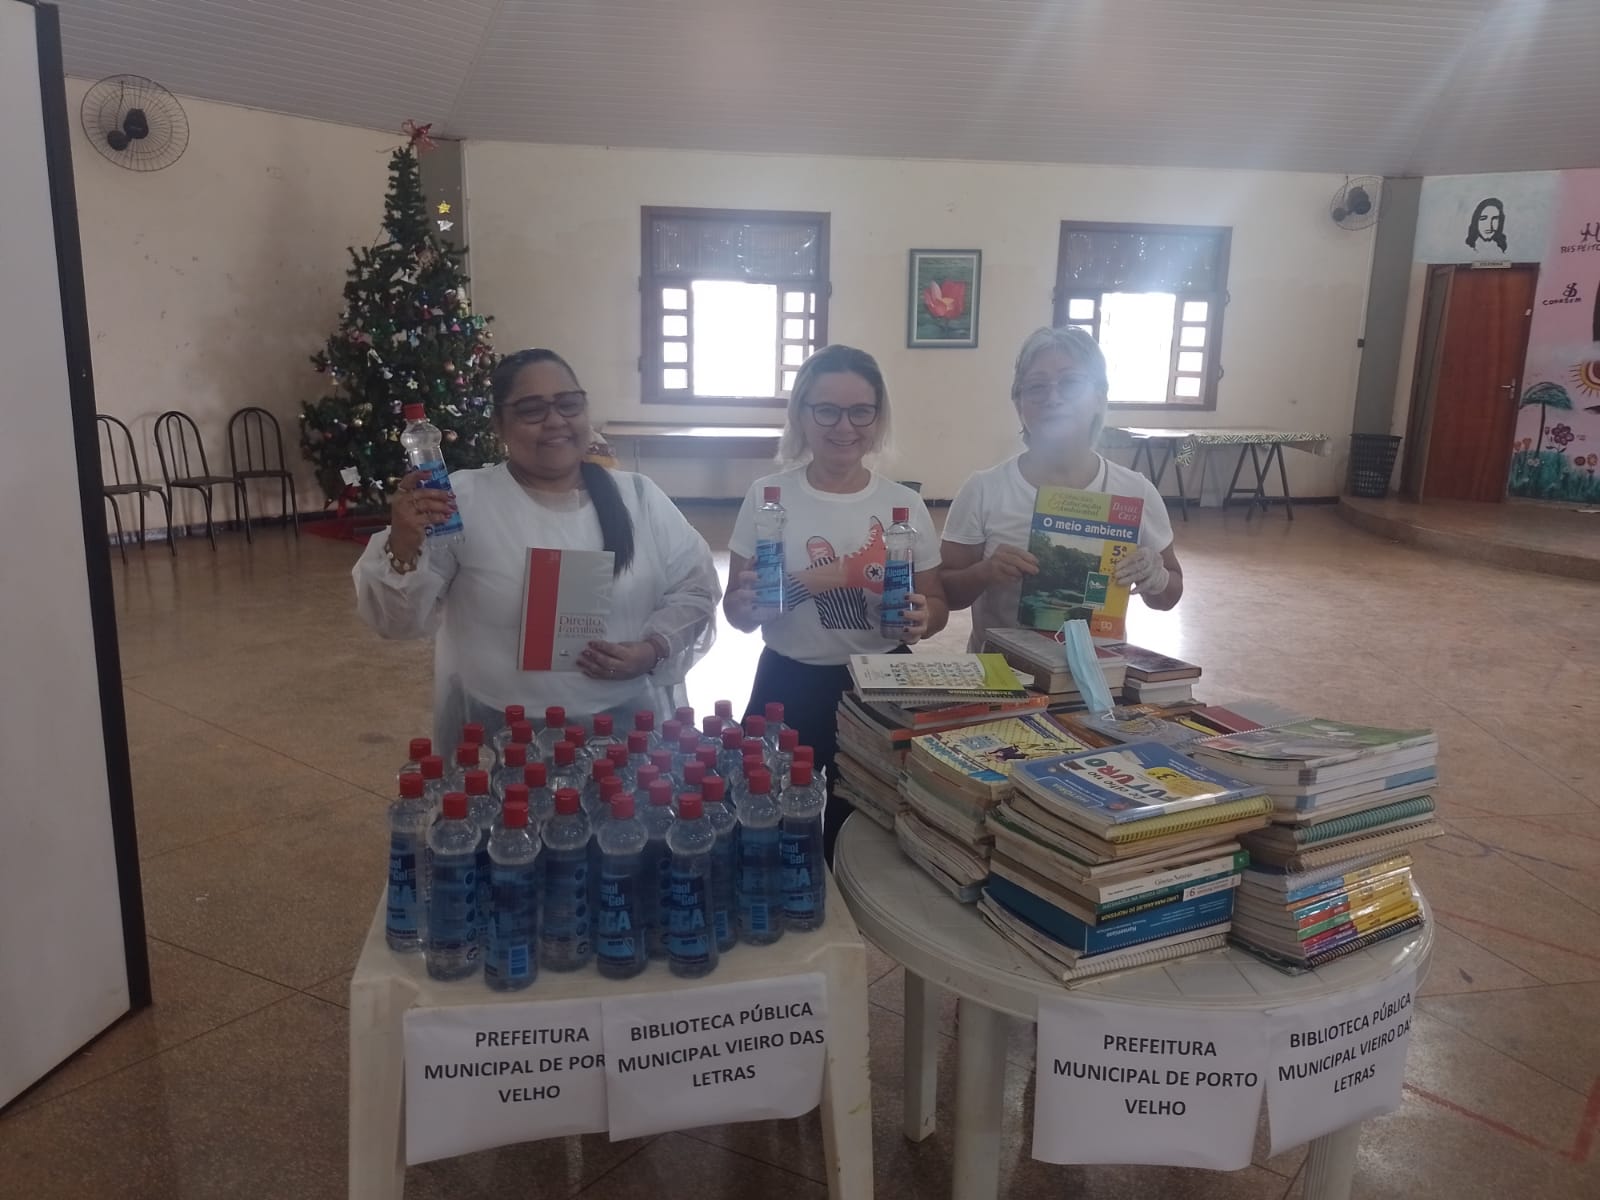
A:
896	587
799	892
769	575
688	936
511	930
455	905
616	939
436	475
403	899
567	914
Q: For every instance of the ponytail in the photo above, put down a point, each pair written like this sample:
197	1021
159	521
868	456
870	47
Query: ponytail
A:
616	525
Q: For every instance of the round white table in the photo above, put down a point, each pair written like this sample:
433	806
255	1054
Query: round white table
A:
943	942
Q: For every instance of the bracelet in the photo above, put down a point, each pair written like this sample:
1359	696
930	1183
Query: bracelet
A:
397	566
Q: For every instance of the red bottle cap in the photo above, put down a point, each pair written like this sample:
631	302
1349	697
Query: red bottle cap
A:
684	715
420	748
565	754
514	816
622	806
660	792
601	769
714	789
517	793
647	776
576	735
516	755
638	742
672	731
774	711
724	709
732	737
522	733
707	756
645	722
603	725
755	725
537	775
770	495
566	801
555	717
760	781
432	766
800	775
694	774
411	785
753	762
617	756
753	745
789	740
688	742
711	727
661	760
690	806
455	806
466	755
805	754
900	515
609	787
515	713
472	733
477	783
414	412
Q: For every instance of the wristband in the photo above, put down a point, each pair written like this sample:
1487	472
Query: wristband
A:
398	566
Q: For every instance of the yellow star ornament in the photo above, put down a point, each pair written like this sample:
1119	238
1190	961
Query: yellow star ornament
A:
444	207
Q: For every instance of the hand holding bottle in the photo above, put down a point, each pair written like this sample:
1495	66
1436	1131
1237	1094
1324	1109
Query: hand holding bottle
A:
412	509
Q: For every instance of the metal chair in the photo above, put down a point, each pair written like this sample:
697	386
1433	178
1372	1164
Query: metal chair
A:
262	459
179	448
117	450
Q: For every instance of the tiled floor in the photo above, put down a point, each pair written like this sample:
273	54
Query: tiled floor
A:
266	724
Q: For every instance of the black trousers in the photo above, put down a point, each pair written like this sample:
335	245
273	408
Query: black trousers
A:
810	698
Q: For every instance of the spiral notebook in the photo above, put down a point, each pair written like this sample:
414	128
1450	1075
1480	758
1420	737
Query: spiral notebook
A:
1384	842
923	679
1288	839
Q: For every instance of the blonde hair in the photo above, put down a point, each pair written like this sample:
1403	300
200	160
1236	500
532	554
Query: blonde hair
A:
1082	349
832	360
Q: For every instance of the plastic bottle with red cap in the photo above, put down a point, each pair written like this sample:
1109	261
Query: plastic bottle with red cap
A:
579	737
502	736
566	941
483	810
725	823
620	950
555	730
772	714
899	556
768	560
452	949
564	769
730	758
638	756
759	886
782	758
511	957
410	815
473	734
657	818
541	797
644	721
513	769
691	939
418	750
805	892
423	443
604	736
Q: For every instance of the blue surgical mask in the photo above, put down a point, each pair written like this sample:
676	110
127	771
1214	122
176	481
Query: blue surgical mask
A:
1085	667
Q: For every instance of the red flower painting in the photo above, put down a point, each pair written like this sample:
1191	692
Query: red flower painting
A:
945	299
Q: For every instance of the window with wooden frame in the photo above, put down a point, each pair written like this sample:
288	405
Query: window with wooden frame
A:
1152	296
732	302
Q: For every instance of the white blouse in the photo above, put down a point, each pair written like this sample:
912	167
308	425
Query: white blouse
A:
468	595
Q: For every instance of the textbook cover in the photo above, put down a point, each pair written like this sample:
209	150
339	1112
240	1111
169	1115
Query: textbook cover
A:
1098	788
1078	538
566	599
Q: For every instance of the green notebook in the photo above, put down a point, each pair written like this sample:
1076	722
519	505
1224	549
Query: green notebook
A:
1358	822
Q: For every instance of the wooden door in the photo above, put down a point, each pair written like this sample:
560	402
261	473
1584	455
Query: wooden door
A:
1477	383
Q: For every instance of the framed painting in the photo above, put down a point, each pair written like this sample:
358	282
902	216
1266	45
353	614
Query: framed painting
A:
943	301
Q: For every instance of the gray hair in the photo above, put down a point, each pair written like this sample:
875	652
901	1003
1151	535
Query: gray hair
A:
832	360
1077	345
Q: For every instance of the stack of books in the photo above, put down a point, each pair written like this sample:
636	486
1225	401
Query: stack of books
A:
1153	678
1177	725
1119	857
953	780
1330	874
1039	657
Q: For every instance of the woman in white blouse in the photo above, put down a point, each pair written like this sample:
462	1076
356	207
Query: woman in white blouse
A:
468	592
1059	390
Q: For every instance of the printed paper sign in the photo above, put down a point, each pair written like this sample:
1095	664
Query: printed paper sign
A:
1338	1061
715	1055
1119	1083
490	1075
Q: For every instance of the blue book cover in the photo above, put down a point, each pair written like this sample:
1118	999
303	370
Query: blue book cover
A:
1117	784
1114	934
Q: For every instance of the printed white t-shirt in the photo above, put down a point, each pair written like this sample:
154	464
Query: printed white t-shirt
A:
995	508
833	554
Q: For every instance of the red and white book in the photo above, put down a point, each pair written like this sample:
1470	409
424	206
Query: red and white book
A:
565	603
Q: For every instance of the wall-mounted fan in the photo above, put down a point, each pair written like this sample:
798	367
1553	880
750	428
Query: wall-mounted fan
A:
135	122
1355	205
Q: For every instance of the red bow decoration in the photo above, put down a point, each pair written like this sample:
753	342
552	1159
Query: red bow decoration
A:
419	135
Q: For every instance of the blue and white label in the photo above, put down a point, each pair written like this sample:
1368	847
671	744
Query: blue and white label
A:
513	923
759	885
453	904
896	588
769	574
436	477
724	866
617	931
567	898
689	933
801	859
405	903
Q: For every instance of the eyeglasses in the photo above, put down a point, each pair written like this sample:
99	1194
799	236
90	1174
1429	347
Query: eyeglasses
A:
535	410
1070	388
827	415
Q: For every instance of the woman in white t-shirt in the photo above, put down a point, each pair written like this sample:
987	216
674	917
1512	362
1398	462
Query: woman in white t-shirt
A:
837	512
1060	393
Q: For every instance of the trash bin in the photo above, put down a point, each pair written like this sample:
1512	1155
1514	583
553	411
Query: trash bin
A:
1372	463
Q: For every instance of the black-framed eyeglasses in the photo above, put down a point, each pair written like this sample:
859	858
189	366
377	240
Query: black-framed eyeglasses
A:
535	410
1068	388
827	415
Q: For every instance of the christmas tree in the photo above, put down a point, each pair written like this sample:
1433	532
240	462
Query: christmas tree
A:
407	335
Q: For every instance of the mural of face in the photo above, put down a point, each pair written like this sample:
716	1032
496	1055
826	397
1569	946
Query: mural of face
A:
1488	224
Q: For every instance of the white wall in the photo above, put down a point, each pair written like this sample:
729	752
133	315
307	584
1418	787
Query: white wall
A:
210	282
555	241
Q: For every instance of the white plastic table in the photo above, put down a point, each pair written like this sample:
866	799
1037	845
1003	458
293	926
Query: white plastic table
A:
386	984
940	941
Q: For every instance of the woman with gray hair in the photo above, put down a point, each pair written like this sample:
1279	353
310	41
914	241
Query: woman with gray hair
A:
838	510
1059	390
